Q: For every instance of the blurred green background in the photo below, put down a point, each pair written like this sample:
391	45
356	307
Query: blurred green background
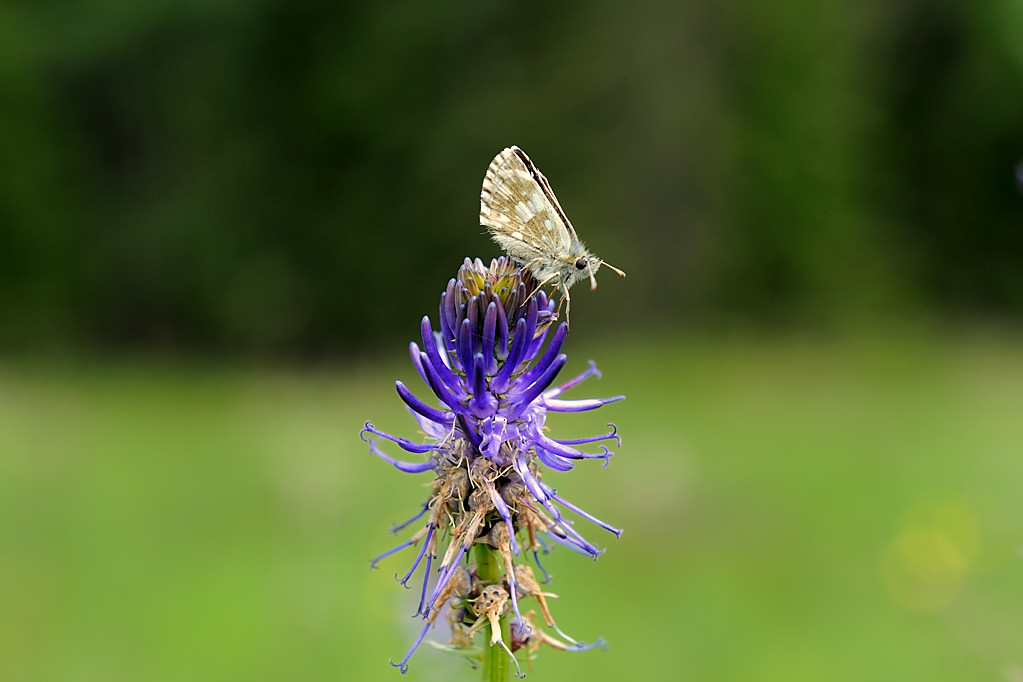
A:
220	224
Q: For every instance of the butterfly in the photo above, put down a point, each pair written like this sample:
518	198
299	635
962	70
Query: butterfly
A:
524	217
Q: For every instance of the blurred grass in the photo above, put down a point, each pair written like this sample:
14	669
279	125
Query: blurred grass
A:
794	509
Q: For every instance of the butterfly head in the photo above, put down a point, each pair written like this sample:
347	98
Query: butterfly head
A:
577	264
583	264
588	266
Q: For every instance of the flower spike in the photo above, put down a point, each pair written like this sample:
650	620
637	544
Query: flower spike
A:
491	366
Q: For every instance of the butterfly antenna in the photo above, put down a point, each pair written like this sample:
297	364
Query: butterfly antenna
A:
605	263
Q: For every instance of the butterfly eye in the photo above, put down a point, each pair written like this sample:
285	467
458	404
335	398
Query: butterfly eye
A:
581	264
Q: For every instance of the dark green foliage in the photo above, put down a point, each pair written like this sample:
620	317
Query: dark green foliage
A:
240	175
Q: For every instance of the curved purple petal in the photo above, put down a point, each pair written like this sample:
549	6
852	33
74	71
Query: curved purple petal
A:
482	404
374	560
526	396
494	433
449	316
553	348
557	448
426	582
468	431
538	337
532	318
501	342
423	509
404	443
592	439
403	665
472	316
414	403
589	517
572	383
489	336
574	545
444	578
425	369
465	353
500	383
419	558
407	467
530	481
553	460
449	378
555	405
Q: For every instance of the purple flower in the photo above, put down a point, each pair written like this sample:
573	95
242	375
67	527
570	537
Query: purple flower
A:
492	376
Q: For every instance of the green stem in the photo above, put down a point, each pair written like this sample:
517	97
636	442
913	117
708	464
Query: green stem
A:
496	663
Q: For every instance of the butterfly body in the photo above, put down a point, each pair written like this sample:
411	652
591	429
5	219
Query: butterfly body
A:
524	217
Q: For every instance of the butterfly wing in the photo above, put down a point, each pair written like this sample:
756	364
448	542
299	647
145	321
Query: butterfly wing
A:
520	210
541	180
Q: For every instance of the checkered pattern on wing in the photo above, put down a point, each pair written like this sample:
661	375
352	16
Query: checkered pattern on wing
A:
516	206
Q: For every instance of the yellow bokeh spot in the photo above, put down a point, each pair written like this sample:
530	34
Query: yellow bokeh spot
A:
924	567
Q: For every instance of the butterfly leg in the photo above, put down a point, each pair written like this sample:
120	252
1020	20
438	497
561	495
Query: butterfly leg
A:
566	298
